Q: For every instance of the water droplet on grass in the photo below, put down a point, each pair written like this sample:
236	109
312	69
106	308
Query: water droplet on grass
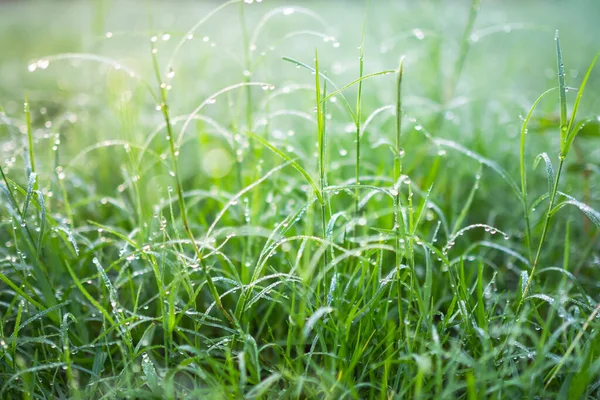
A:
43	64
418	33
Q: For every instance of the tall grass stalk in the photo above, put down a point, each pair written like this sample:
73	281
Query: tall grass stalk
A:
568	132
399	153
358	115
164	107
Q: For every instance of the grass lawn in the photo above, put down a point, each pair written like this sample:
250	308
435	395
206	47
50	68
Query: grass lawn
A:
318	199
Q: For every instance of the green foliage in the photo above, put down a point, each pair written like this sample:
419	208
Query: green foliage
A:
217	213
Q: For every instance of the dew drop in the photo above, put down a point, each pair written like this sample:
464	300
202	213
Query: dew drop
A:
43	64
418	33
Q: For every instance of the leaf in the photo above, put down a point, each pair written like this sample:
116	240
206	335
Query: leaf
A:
489	163
294	164
562	92
358	80
573	132
42	220
344	100
524	129
30	186
331	224
260	389
524	280
588	128
592	214
321	312
549	169
21	293
150	372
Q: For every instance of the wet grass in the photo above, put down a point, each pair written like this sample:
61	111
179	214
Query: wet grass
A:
256	200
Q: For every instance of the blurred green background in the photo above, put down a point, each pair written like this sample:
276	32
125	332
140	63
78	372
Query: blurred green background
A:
511	60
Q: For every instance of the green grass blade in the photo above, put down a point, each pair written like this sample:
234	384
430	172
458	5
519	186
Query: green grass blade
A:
549	170
571	132
293	163
359	81
562	92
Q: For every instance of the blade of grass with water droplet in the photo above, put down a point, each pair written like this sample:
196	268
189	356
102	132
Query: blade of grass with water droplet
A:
293	163
150	373
562	92
549	169
30	188
344	100
87	294
489	163
523	170
359	81
592	214
571	133
15	335
31	166
467	205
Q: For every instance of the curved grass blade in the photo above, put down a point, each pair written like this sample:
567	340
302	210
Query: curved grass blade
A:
358	80
549	169
592	214
311	69
293	163
30	188
573	132
489	163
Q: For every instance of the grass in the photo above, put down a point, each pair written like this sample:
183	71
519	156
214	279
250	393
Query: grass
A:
225	203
